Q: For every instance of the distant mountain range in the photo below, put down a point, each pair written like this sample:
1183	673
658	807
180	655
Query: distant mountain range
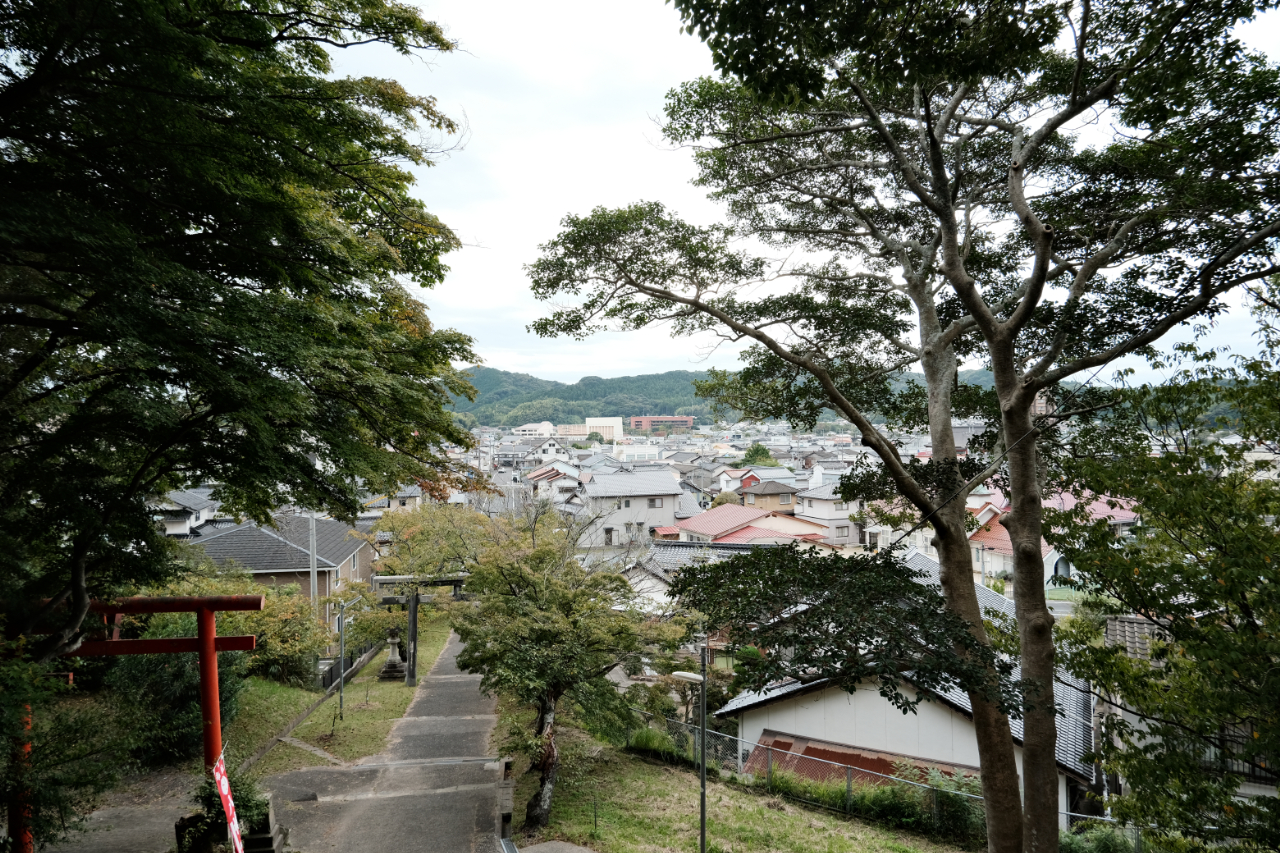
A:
511	399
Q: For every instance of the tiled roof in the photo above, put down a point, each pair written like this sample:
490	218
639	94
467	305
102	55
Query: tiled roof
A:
665	558
770	487
285	548
666	531
189	500
764	472
632	484
688	506
1097	508
1134	633
996	538
721	519
825	492
1075	727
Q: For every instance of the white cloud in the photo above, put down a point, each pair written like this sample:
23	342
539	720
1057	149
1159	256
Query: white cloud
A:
560	100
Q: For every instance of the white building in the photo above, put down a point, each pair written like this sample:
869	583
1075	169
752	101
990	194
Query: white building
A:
538	430
633	503
865	730
823	505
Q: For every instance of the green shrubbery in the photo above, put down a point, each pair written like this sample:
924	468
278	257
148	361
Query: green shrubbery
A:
162	693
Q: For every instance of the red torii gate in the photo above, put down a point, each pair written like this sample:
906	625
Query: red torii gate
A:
206	642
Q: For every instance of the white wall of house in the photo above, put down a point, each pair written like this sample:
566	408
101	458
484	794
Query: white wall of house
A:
629	519
864	718
833	515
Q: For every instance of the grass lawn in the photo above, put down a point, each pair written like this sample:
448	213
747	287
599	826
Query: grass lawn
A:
1062	593
647	807
266	707
371	708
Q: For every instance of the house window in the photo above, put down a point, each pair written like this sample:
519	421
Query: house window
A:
628	530
1062	568
403	502
873	540
841	506
751	499
784	499
627	504
608	536
842	532
810	503
655	503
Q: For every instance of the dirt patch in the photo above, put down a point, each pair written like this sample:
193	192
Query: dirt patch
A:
144	789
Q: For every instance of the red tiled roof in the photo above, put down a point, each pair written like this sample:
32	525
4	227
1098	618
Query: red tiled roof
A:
996	538
721	519
666	531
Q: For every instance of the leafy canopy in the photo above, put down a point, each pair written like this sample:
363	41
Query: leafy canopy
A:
204	254
1202	573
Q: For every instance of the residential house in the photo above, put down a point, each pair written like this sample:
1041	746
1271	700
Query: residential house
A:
823	505
633	505
719	521
183	511
652	575
862	729
770	495
558	481
280	556
545	451
735	479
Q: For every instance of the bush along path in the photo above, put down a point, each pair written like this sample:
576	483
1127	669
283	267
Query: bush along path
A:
430	778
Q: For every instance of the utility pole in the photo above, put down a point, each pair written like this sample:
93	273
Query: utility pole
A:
411	649
315	581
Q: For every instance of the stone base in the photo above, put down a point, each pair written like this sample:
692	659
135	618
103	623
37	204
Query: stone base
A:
393	672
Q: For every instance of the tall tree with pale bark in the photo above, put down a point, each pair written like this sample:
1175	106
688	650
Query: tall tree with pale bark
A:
1039	187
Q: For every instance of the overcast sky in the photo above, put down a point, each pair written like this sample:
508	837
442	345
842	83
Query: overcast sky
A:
560	100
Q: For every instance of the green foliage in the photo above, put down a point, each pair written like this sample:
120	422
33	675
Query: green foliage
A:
511	399
207	241
76	743
252	807
866	617
543	627
1202	571
758	455
1095	839
162	693
726	497
596	437
289	637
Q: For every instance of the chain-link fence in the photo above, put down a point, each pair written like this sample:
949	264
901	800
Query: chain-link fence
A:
932	803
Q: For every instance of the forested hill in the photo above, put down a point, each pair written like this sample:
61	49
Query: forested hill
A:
511	399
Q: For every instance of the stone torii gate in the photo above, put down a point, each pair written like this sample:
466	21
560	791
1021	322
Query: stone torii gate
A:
206	643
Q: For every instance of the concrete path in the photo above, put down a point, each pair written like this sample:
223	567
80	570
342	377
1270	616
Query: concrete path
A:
432	789
137	817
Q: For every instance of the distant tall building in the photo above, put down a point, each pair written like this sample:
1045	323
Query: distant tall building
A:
646	423
609	429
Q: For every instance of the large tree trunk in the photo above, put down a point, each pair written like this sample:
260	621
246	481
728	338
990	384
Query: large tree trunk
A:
1002	800
1035	623
537	813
